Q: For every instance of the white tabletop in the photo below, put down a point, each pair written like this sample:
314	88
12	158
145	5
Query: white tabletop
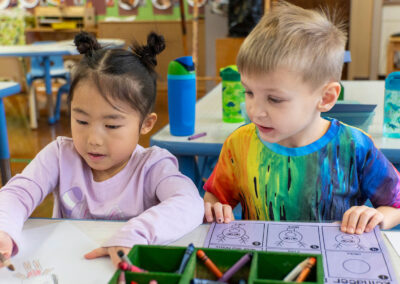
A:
99	231
9	88
54	48
209	119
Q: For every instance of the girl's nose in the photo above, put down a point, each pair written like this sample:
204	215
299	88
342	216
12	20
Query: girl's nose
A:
94	138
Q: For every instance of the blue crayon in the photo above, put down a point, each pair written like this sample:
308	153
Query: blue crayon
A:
185	258
204	281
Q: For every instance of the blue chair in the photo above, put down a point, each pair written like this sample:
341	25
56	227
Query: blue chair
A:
64	89
57	70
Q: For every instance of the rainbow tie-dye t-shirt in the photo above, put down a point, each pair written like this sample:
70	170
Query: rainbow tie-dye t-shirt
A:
316	182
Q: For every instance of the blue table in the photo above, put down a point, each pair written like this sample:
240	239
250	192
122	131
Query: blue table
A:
6	89
209	119
46	50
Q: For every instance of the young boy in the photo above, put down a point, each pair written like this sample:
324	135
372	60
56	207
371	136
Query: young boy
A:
289	163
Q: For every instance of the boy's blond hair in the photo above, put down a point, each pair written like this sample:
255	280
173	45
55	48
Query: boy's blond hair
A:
306	41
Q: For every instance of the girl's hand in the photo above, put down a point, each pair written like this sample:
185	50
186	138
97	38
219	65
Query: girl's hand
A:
360	219
6	245
105	251
222	212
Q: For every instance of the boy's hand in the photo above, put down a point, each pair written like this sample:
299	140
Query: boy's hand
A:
222	212
360	219
6	245
105	251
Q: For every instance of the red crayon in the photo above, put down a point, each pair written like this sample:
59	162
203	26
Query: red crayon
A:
125	266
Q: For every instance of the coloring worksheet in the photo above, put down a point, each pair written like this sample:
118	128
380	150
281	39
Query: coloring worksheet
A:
347	258
53	254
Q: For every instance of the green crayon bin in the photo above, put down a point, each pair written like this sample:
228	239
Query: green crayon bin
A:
232	94
162	262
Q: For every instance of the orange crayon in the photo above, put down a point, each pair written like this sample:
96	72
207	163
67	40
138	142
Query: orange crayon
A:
210	265
304	273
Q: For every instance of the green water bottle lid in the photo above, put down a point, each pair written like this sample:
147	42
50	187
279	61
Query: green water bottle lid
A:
181	66
230	73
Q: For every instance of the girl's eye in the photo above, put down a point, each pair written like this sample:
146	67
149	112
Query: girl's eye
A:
81	122
113	126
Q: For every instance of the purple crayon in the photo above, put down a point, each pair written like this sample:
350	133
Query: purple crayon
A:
239	264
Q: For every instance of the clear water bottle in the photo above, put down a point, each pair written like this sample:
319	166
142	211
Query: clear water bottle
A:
391	111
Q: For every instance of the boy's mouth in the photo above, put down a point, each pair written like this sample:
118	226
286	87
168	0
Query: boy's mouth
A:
264	129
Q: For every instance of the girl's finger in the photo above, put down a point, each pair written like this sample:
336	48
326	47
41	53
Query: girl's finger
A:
99	252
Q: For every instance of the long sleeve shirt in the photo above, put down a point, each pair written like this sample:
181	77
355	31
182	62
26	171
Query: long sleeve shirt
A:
158	202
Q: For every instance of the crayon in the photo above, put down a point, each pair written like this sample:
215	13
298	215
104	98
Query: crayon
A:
121	278
210	265
197	136
296	271
123	257
304	273
239	264
204	281
130	267
185	258
6	262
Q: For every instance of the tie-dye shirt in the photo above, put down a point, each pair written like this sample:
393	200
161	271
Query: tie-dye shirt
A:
317	182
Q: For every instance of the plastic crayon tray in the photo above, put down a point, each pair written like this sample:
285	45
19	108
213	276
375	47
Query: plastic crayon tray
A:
162	262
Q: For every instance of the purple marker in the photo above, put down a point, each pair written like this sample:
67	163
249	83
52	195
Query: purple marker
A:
239	264
197	136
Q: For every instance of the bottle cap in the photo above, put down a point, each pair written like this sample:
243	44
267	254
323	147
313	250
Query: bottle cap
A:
181	66
392	81
230	73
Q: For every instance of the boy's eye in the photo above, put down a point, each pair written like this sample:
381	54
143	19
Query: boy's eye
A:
275	100
113	126
248	93
82	122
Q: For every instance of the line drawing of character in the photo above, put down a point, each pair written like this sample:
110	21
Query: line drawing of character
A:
35	270
357	266
348	241
234	232
290	236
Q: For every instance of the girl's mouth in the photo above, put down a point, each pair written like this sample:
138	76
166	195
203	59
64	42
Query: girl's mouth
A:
95	156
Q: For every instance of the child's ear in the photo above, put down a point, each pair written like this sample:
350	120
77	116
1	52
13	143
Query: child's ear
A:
148	123
330	94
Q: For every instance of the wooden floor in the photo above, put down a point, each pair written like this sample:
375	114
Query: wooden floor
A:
25	143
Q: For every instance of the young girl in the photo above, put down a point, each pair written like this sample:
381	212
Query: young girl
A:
102	173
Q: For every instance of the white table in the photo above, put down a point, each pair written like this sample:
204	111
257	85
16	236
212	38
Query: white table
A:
99	231
209	119
46	50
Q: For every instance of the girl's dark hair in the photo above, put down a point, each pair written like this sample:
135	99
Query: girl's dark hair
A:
119	74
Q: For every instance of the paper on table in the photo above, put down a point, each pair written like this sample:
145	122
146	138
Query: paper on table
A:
56	251
394	238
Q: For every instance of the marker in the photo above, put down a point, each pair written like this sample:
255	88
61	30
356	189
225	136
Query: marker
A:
123	257
6	262
185	258
210	265
296	271
197	136
121	278
130	267
239	264
304	273
204	281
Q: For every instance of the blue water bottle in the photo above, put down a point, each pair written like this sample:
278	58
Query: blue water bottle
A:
181	96
391	114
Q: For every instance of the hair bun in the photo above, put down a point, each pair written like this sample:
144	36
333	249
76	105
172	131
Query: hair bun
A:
147	53
86	43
